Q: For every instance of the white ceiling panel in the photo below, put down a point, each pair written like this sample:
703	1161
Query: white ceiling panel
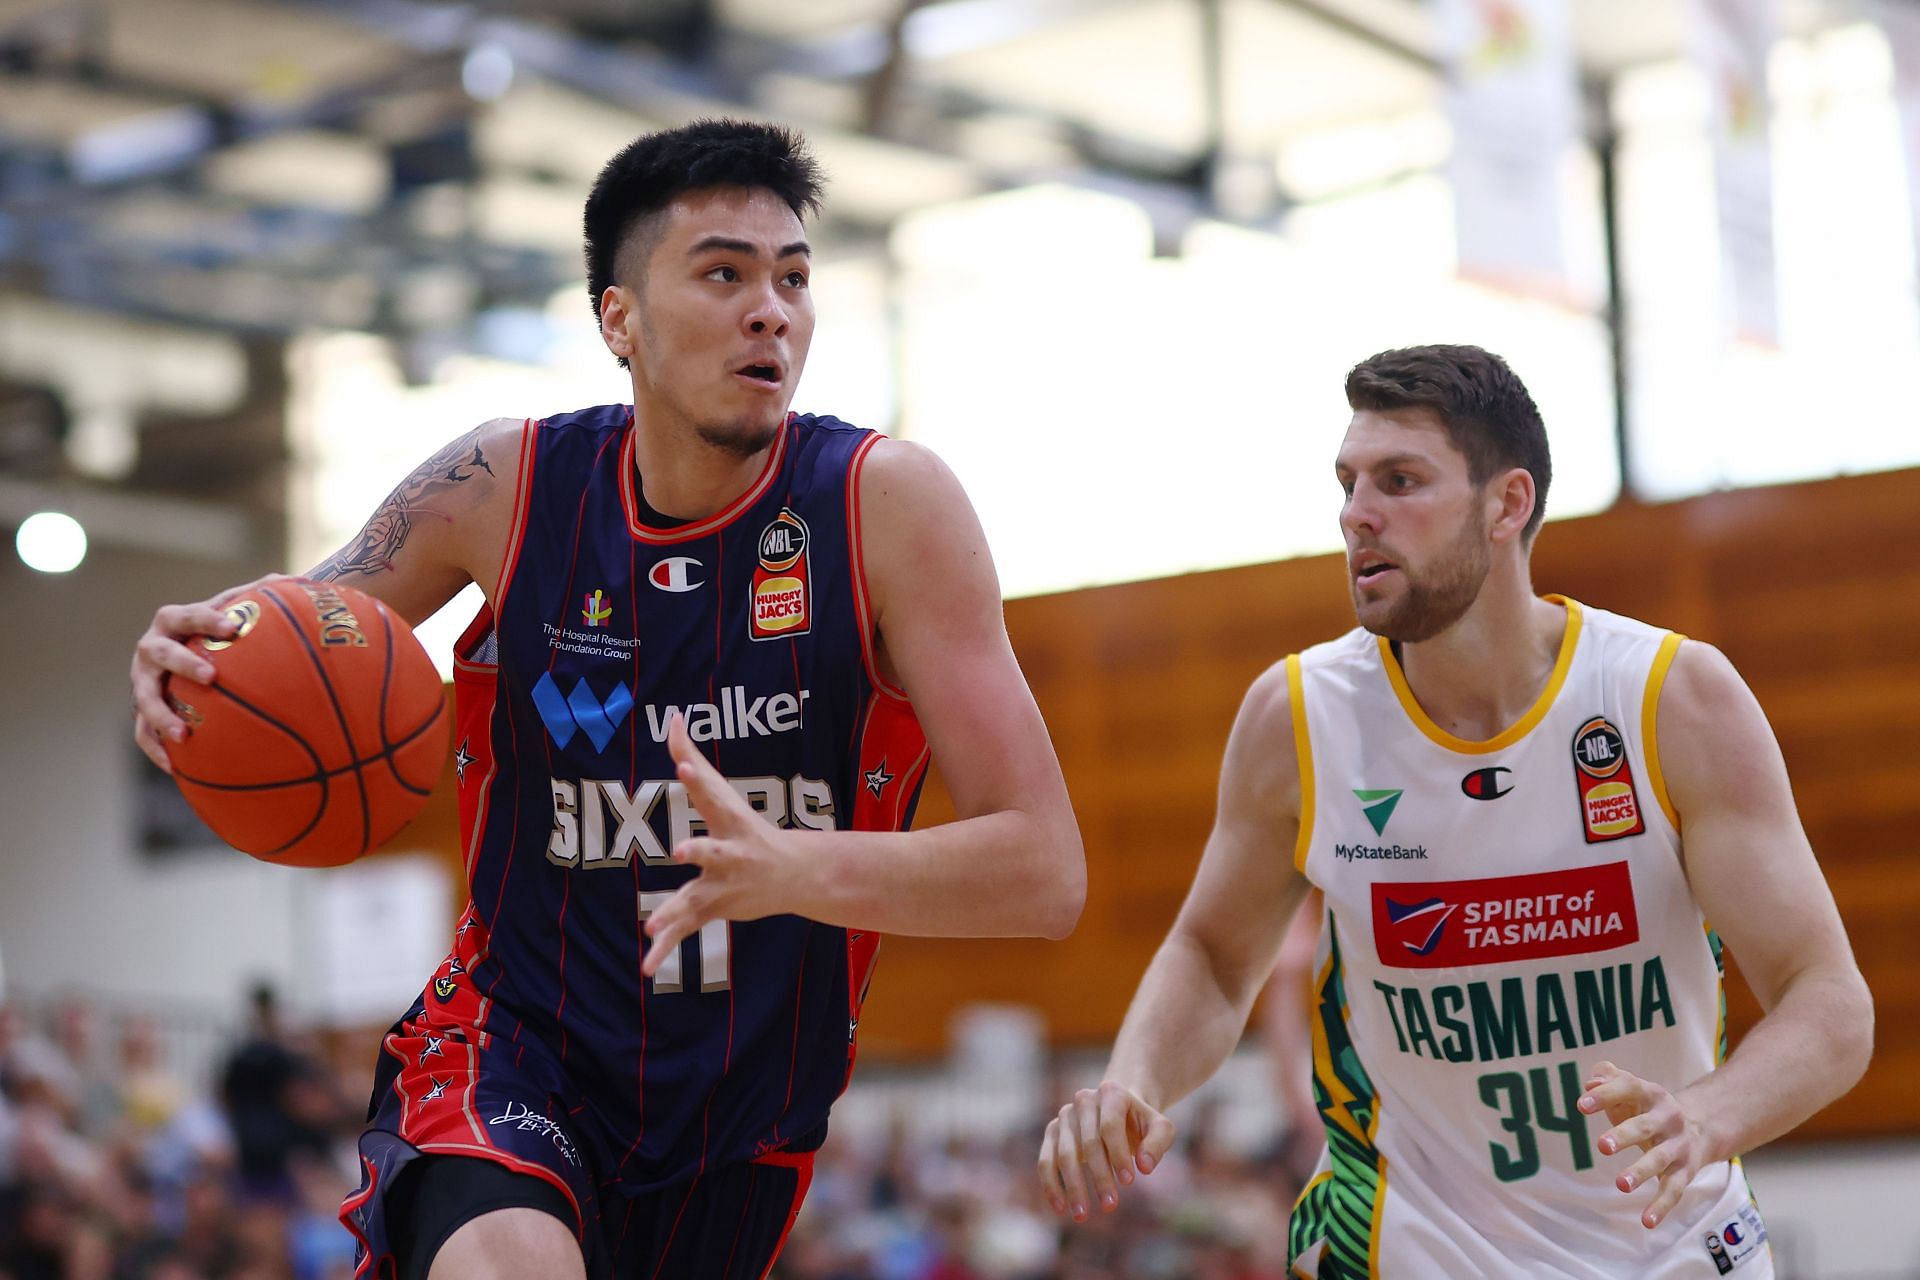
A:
318	170
1137	71
269	53
49	112
540	126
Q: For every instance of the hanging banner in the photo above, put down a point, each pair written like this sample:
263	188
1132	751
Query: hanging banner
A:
1513	103
1900	21
1731	39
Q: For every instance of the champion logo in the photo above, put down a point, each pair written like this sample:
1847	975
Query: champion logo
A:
676	573
1419	926
1486	784
580	711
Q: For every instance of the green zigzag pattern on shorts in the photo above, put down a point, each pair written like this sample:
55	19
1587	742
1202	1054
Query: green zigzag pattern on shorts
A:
1339	1209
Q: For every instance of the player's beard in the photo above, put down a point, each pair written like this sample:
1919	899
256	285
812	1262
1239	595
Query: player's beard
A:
742	439
1436	598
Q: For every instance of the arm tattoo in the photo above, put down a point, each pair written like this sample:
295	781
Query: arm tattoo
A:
374	549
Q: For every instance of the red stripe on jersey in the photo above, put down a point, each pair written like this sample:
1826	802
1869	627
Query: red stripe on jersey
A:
467	1098
640	1082
630	472
350	1206
862	608
522	503
893	761
802	1165
553	656
667	1249
793	1050
475	685
740	1227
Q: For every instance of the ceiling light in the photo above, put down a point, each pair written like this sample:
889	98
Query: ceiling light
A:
487	72
51	542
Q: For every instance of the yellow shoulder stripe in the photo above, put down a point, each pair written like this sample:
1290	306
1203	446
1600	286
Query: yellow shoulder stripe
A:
1650	722
1303	755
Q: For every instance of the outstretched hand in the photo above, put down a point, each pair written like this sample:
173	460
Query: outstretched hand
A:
1647	1116
748	867
1101	1137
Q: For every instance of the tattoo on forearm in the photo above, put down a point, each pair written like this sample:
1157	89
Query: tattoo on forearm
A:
385	533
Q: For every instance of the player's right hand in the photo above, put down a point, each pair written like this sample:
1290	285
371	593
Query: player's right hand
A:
162	651
1096	1142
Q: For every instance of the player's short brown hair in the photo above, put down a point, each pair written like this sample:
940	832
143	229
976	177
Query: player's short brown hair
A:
1481	401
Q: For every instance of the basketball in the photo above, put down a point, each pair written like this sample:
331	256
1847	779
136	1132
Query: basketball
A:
323	732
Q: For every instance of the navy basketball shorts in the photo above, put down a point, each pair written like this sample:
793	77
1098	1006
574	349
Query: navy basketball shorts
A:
439	1092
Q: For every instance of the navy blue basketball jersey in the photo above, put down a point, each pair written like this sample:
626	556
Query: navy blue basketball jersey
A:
754	625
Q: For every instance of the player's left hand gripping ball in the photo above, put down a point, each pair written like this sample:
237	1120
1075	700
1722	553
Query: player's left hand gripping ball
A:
747	865
1647	1116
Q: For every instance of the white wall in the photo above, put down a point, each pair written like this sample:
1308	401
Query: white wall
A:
79	905
1840	1211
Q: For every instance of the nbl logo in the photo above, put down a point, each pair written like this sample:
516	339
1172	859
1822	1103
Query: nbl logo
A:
783	542
1599	750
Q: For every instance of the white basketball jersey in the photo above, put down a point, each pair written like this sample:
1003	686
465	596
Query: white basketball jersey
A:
1501	916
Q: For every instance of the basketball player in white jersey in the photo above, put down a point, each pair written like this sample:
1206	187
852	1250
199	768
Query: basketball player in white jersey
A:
1533	822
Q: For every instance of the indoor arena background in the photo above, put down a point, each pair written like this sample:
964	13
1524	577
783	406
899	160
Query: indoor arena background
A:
1111	259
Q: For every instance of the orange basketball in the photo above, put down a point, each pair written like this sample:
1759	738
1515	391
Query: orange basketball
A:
323	732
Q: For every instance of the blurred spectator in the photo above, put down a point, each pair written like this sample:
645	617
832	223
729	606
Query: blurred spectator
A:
150	1093
157	1178
255	1087
129	1174
95	1099
283	1104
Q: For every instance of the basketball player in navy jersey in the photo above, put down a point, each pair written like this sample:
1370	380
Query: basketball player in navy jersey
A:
1531	821
721	643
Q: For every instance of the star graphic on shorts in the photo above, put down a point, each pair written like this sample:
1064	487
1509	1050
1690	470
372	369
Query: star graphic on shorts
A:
878	778
433	1049
439	1087
461	759
465	925
454	966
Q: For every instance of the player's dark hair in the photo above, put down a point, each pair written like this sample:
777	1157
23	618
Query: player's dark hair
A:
1483	404
655	168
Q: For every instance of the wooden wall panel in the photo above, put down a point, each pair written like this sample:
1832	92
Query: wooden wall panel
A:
1813	590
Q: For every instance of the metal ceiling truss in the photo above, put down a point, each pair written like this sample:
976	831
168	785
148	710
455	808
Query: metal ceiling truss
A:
65	212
